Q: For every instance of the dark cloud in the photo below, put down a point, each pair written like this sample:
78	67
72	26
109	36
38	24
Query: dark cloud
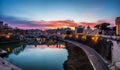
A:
15	20
22	23
26	24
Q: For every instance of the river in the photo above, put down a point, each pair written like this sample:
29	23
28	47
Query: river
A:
43	56
36	57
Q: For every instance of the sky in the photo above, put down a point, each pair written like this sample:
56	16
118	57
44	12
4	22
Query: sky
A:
45	14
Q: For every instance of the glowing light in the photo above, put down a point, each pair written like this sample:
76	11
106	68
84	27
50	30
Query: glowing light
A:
76	36
84	37
95	38
73	28
7	36
70	35
64	35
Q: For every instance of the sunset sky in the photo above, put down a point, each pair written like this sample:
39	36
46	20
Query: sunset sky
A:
44	14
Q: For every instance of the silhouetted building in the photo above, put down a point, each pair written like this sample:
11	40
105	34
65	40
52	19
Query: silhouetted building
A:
79	30
117	26
1	24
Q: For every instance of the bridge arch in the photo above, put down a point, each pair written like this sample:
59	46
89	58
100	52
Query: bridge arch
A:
55	36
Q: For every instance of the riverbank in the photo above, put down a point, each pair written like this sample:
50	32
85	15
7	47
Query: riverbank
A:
4	65
77	59
97	62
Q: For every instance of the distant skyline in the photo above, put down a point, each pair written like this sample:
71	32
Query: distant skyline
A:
25	13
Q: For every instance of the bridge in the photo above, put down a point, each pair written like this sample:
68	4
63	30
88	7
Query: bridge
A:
108	37
98	62
41	39
63	36
46	36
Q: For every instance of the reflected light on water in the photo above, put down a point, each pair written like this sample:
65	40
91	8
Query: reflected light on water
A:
51	41
49	46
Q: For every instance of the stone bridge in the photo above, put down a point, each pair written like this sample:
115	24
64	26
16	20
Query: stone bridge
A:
107	47
47	36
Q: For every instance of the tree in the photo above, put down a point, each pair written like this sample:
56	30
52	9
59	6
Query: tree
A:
102	26
68	32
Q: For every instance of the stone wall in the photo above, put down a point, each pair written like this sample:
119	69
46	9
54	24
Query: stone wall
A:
77	59
101	45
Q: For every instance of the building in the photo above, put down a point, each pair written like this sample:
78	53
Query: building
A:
1	24
89	31
117	26
79	30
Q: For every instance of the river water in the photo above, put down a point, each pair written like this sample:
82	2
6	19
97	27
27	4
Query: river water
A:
42	56
36	57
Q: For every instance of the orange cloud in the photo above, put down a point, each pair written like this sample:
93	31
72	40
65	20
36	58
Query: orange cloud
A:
24	26
55	24
60	24
92	24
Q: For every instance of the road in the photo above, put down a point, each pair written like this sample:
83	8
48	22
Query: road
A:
95	59
115	51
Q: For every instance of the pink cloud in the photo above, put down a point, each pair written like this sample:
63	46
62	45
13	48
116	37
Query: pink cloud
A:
55	24
60	24
92	24
25	26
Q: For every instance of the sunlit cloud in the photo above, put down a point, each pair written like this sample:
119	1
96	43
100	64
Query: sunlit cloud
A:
26	24
55	24
92	24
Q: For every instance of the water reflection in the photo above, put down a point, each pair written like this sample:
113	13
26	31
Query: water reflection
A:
49	56
18	50
43	54
50	46
8	49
